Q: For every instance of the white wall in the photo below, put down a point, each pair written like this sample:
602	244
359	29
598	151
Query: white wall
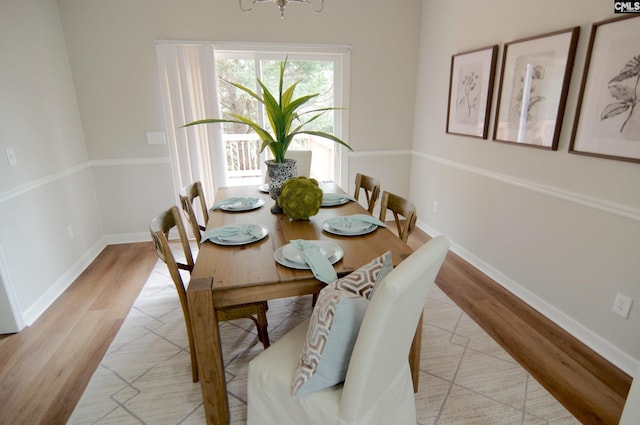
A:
51	186
111	49
80	91
130	194
560	230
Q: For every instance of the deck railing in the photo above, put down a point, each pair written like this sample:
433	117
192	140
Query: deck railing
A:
244	161
243	155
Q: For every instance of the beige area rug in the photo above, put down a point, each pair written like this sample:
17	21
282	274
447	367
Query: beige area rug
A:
145	377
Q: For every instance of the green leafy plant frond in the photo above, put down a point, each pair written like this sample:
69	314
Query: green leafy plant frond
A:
246	90
281	113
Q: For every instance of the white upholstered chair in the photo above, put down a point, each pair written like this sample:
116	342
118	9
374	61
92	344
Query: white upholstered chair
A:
303	162
378	389
631	412
303	159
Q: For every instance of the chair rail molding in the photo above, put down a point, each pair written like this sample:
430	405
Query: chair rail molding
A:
557	192
393	152
42	181
48	179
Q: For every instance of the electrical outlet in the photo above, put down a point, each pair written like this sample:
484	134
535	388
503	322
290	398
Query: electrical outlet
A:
622	305
436	207
11	157
70	232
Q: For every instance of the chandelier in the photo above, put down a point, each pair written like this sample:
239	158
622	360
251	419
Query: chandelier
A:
281	5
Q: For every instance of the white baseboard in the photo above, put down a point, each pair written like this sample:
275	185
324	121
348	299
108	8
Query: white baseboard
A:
119	238
48	298
60	285
606	349
51	295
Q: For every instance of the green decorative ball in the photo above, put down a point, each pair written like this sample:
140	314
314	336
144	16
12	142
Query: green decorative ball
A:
300	198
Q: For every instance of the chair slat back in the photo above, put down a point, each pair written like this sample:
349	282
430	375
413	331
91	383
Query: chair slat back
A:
404	213
188	196
380	355
371	187
160	227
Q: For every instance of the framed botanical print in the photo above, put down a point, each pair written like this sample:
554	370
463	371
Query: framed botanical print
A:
470	91
607	122
534	83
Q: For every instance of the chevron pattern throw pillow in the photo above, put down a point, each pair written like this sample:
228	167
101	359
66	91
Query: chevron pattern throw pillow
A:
334	325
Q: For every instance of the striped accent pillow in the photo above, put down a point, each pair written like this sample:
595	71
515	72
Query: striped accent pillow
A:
334	325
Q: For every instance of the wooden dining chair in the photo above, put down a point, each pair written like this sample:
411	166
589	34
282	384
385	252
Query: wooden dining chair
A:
160	227
371	187
404	213
188	196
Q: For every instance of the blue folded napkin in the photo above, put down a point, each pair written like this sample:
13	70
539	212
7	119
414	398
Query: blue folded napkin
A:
249	202
248	230
348	219
318	263
335	197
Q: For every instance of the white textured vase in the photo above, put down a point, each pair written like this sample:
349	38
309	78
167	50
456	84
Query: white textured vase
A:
277	174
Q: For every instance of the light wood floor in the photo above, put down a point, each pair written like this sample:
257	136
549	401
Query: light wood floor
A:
45	368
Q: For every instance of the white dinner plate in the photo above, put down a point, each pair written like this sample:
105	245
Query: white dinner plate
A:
239	206
357	228
334	202
332	251
264	188
295	255
241	239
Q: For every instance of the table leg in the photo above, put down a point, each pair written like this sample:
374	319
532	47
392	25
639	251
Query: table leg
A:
414	356
206	335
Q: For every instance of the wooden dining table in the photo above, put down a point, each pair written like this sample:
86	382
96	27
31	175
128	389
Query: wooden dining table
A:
231	275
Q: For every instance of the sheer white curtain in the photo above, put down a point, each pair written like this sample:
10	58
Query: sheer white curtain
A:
188	85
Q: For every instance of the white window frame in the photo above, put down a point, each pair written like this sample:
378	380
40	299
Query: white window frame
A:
340	55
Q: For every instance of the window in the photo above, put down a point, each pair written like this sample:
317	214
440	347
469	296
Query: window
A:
189	89
318	72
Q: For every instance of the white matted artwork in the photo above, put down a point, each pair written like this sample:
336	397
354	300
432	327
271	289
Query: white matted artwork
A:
534	83
470	91
607	123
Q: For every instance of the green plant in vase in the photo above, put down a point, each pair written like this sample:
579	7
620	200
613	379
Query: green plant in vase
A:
286	120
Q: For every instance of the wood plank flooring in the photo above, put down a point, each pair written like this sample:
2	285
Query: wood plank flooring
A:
45	368
590	387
